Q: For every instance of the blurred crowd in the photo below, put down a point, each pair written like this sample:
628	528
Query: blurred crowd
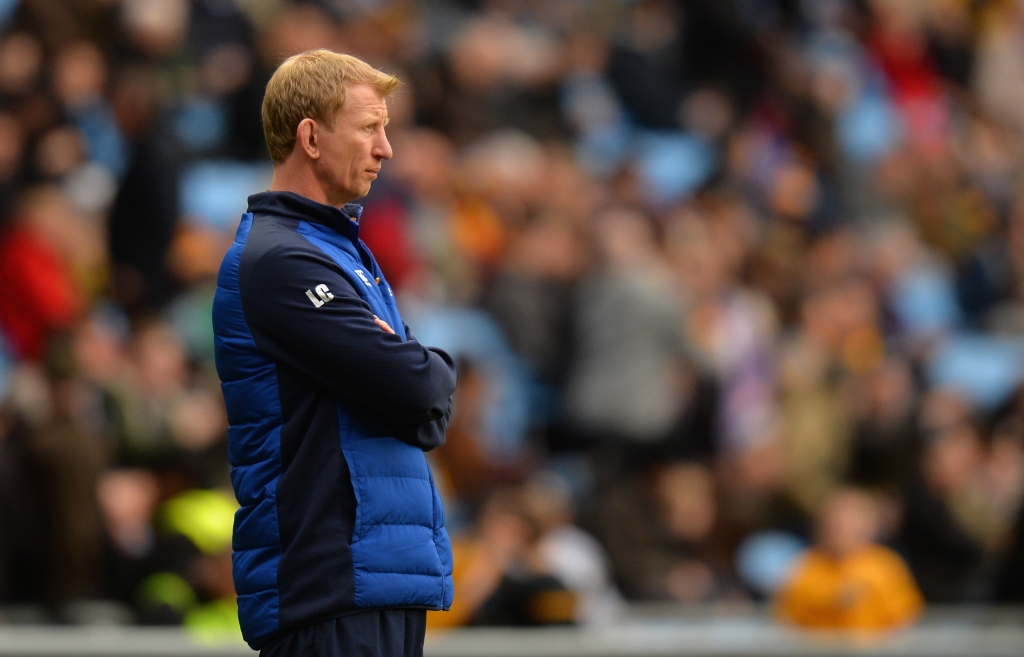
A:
736	289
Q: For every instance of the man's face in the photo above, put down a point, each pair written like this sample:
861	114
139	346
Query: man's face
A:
353	152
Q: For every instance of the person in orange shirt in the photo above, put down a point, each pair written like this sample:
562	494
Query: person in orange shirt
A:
848	581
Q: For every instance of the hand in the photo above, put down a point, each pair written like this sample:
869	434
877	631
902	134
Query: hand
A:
384	325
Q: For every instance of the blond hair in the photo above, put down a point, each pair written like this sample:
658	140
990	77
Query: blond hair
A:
313	85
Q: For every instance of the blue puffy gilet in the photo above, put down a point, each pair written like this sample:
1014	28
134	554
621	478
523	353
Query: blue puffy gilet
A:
393	551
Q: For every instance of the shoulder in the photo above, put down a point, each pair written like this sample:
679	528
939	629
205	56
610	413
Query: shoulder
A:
883	558
275	245
278	259
270	235
812	561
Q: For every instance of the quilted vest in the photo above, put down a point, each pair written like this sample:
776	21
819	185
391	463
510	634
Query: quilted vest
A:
400	552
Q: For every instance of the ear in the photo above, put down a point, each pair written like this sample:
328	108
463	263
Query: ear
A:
306	138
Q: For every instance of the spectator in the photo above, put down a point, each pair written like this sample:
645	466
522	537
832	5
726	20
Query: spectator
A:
734	327
54	542
884	449
663	534
633	371
471	471
944	554
38	290
848	581
569	553
502	577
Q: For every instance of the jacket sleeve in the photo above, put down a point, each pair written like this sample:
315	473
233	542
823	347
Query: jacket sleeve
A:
428	434
432	433
336	342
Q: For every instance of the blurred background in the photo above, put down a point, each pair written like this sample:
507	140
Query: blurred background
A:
736	289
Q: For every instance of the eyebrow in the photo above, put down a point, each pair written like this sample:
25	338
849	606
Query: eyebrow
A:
375	118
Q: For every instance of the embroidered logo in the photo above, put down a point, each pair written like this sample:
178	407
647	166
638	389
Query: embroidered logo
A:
360	274
322	292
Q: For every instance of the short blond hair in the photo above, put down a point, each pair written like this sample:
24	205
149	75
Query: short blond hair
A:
313	85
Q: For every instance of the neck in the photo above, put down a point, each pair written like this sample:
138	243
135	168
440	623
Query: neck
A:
299	178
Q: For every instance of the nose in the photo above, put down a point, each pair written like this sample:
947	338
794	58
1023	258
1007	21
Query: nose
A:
381	147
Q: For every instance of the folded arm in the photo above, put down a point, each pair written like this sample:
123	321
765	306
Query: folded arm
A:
336	342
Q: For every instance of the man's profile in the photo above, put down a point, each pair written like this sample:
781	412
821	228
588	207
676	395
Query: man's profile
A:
339	544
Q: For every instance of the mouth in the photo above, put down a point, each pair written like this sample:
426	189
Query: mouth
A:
373	172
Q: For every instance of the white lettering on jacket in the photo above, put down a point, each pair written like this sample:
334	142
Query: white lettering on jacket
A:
322	292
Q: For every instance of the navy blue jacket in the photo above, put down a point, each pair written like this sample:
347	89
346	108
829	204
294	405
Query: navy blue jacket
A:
329	420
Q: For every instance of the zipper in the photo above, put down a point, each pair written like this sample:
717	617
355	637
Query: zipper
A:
378	276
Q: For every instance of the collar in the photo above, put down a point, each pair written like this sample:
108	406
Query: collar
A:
290	205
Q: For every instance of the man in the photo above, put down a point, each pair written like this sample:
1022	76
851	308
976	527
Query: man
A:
340	546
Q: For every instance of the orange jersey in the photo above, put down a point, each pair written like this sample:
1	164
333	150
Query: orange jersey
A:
869	590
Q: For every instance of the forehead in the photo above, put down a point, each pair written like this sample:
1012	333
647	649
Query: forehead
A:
364	99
